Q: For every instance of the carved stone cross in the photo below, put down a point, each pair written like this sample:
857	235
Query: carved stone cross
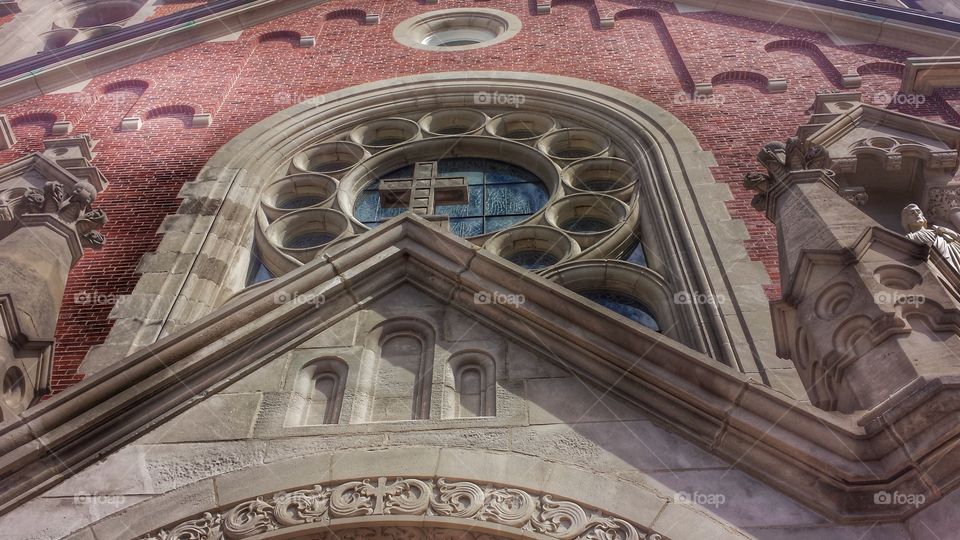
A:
423	193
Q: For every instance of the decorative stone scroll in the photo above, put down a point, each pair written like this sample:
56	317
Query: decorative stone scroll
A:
513	507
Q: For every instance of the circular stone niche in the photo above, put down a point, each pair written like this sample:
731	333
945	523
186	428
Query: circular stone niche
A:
608	176
329	158
505	183
88	15
586	217
533	247
384	133
303	233
521	126
457	29
297	192
453	122
573	144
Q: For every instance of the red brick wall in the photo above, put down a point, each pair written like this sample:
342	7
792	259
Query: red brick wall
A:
649	52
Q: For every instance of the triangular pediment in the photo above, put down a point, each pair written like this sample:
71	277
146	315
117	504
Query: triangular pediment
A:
410	260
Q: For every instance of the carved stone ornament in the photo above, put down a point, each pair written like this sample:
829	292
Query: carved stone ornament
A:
542	514
73	209
780	159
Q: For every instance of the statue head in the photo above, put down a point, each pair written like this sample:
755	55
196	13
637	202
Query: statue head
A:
912	219
84	193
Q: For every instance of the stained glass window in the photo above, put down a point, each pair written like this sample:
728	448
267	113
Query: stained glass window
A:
625	305
636	255
499	195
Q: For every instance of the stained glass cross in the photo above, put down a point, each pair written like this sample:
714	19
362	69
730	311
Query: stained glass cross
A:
423	193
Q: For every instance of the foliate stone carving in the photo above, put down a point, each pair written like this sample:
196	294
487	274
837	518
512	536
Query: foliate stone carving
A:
780	159
543	514
73	209
207	527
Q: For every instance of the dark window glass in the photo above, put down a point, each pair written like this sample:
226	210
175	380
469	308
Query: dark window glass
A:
309	240
585	225
625	305
533	260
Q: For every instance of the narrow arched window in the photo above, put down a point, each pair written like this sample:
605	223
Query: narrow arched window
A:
318	393
470	386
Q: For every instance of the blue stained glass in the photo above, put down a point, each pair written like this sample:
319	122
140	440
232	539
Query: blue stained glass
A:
585	225
635	255
473	208
498	223
466	226
309	240
260	274
533	260
499	195
514	199
625	305
368	209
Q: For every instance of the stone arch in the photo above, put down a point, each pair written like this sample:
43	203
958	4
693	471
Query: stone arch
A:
398	353
290	37
674	168
43	119
812	51
356	15
751	78
260	502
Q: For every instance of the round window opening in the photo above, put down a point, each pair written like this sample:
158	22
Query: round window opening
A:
481	196
457	29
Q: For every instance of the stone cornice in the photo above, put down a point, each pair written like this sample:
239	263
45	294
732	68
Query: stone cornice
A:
823	459
49	72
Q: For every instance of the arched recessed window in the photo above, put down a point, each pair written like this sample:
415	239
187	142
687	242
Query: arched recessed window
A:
396	373
470	386
318	393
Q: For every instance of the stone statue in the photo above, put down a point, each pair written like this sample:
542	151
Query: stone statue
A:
945	241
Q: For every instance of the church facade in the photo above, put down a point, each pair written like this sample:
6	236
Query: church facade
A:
559	269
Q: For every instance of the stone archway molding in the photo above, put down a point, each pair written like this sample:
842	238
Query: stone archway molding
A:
492	493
